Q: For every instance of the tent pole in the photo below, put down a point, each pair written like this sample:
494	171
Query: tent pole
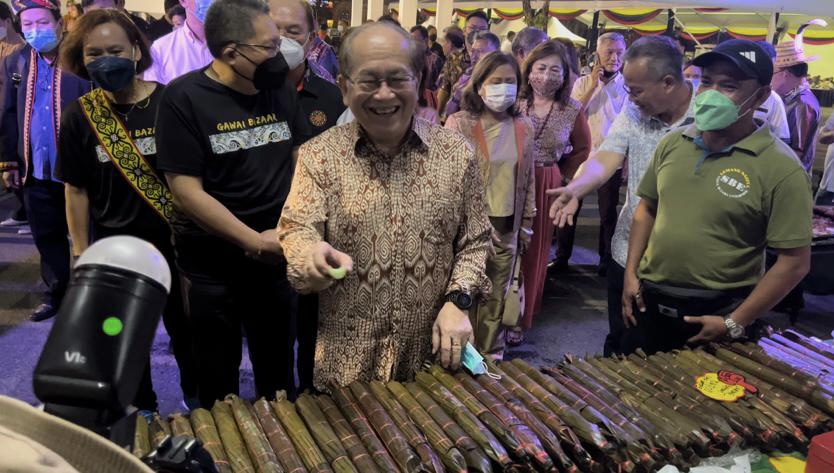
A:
670	23
772	32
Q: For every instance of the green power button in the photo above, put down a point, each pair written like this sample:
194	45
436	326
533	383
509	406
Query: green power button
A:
112	326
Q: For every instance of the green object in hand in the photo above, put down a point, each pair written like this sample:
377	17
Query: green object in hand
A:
337	273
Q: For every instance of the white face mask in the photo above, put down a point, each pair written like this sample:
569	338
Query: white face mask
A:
2	32
500	97
292	51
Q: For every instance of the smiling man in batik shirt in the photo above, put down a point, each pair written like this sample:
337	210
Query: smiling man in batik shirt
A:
396	202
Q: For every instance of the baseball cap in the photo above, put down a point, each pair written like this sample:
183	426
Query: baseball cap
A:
748	56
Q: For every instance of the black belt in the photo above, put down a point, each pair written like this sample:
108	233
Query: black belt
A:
673	301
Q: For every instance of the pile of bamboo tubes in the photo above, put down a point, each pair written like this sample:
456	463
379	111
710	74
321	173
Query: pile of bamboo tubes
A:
596	415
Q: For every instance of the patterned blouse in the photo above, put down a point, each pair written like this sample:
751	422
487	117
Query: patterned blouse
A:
555	136
416	227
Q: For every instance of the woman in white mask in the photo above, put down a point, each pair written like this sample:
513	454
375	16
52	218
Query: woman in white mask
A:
504	144
561	142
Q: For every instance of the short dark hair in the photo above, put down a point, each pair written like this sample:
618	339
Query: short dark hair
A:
471	101
6	13
477	14
415	50
486	36
422	29
169	4
455	37
176	10
546	49
230	21
72	48
663	54
527	39
87	3
798	70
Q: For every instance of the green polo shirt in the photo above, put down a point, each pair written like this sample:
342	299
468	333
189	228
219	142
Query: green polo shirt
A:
716	212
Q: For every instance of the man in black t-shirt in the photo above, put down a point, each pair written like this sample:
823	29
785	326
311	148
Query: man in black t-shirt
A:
321	103
226	137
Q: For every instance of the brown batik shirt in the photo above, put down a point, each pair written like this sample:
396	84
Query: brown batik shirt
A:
416	227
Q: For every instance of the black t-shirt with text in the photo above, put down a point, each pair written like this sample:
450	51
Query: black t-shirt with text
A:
240	145
83	162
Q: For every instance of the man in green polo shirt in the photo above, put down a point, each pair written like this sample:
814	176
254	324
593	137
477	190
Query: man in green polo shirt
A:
715	195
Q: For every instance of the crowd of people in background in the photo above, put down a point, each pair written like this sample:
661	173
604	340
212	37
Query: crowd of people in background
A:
392	198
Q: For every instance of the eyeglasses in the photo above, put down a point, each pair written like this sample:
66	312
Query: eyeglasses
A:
367	84
271	49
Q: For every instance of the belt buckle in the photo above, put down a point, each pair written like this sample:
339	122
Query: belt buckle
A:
667	311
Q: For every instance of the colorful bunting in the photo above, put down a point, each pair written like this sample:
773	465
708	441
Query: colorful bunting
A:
631	16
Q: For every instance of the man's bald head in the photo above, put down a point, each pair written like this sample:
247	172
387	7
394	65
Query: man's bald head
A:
379	33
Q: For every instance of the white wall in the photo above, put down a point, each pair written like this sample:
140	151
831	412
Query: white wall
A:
154	7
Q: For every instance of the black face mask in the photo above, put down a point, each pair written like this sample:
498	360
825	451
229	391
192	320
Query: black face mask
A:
607	74
269	74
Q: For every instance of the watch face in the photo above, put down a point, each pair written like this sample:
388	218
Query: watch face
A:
737	331
464	301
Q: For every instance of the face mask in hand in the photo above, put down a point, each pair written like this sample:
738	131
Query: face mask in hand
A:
112	73
292	51
42	41
500	97
474	362
715	111
545	84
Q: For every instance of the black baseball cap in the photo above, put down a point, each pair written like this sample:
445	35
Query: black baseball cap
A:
750	58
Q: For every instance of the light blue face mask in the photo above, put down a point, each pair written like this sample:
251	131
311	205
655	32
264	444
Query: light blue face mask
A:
42	40
474	362
202	9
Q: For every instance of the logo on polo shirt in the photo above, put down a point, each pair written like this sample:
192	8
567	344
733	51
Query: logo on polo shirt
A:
318	118
733	183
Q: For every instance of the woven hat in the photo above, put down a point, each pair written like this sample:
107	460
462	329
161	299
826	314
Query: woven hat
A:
23	5
791	53
33	441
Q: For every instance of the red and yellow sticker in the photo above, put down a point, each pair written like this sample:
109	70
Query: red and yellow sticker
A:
724	386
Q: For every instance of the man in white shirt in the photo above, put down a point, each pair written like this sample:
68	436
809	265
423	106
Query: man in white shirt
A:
603	94
182	50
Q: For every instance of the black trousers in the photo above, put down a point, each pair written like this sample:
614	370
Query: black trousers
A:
619	339
565	238
19	213
174	319
662	325
306	326
46	210
227	293
608	197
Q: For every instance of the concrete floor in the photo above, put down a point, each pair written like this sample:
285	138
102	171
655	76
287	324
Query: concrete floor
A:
573	317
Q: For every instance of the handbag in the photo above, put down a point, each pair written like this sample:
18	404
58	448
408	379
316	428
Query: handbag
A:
514	299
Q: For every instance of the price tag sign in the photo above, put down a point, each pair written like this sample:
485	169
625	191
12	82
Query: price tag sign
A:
724	386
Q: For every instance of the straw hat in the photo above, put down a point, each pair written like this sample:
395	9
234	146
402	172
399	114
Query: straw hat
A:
33	441
791	53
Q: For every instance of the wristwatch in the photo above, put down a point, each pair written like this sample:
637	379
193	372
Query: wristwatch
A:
461	299
734	330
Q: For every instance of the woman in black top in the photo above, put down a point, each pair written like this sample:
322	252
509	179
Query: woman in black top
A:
107	160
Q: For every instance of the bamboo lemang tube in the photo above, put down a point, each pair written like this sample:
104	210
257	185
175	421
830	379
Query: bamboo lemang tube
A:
310	454
278	438
476	459
158	429
549	440
206	431
141	437
493	423
232	440
415	437
324	435
353	445
260	451
466	419
394	439
350	408
527	439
